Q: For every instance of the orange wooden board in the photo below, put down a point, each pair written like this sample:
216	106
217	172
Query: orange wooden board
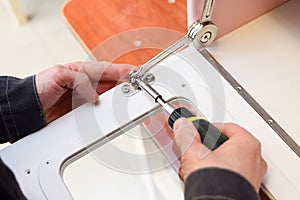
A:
98	21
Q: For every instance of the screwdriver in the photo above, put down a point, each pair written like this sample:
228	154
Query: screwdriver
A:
211	137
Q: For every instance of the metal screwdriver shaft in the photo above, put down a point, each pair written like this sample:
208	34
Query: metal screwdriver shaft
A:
156	96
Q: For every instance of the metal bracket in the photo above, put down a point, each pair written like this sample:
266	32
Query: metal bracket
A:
207	11
129	89
201	33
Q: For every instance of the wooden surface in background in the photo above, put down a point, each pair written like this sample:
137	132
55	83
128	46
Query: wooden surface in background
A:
16	11
100	25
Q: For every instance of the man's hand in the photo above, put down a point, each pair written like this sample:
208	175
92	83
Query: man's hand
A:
62	88
241	153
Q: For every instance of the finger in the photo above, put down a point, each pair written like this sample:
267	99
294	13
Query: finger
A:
230	129
74	66
186	136
117	72
85	89
77	100
81	83
264	167
104	71
103	87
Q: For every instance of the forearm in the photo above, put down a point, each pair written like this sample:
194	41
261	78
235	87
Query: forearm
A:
20	109
216	183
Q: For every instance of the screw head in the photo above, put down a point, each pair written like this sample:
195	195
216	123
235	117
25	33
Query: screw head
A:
149	78
126	89
239	88
206	37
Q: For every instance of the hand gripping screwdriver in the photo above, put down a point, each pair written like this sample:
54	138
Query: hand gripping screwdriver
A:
211	137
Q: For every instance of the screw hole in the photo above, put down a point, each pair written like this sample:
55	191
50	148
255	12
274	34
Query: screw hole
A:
171	1
183	85
27	171
48	162
137	43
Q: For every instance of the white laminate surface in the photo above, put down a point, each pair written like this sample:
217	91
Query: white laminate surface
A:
263	56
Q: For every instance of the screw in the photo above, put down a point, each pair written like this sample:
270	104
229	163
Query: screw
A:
270	121
205	37
239	88
132	80
149	78
126	89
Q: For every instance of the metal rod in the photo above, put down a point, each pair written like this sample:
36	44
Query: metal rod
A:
168	108
207	11
148	89
179	45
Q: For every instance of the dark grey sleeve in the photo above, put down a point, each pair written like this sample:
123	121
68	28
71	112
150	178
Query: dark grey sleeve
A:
217	183
21	112
9	187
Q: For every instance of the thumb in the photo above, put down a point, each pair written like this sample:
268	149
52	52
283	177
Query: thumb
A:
186	136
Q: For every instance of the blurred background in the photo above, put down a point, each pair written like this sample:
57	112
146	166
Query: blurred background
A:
43	41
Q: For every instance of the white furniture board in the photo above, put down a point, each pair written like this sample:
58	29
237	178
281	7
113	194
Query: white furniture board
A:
263	56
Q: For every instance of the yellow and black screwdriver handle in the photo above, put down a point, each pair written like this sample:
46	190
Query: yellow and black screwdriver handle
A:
211	137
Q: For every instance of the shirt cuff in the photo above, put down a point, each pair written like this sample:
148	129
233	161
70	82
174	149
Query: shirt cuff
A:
20	107
217	183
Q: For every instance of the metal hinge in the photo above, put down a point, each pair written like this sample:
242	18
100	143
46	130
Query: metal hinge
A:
201	33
